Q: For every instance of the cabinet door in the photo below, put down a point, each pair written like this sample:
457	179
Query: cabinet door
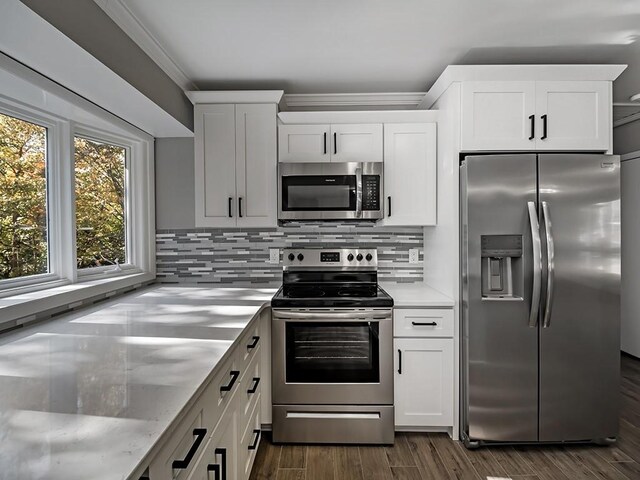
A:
303	143
410	174
256	164
498	116
423	382
577	116
356	143
215	166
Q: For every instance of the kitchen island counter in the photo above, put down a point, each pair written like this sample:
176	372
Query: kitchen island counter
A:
89	395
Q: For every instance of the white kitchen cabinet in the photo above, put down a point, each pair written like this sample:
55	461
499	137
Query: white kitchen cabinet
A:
498	116
235	165
577	115
223	425
410	174
304	143
424	390
330	143
536	115
356	142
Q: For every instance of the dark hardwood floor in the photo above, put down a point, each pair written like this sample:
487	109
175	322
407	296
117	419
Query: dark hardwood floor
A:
421	456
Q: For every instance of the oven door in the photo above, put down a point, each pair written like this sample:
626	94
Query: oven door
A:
332	357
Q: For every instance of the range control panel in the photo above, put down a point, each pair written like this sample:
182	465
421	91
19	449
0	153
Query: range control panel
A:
343	258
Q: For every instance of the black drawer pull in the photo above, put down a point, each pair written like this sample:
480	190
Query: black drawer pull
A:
254	343
200	433
254	445
424	324
254	388
215	468
234	376
400	361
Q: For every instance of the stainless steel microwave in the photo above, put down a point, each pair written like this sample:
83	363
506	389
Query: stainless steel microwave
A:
330	191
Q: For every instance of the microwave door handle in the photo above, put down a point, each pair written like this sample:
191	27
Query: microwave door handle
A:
359	191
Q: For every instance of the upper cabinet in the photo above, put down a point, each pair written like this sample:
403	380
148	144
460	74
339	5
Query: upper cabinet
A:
235	165
330	143
410	174
536	115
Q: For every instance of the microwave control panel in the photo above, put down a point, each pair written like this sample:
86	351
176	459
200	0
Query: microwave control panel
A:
371	192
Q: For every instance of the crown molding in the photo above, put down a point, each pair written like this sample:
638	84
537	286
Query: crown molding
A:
330	101
234	96
133	27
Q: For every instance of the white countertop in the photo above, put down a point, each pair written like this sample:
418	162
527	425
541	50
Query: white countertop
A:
416	295
88	395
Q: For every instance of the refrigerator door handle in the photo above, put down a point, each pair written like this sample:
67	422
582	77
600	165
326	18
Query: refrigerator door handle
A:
537	264
546	319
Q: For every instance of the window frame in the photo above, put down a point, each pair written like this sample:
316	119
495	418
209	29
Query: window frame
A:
60	195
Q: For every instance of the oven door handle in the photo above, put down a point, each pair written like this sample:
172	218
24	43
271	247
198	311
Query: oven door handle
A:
329	316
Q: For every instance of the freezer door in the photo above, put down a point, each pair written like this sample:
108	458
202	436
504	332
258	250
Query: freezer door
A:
500	348
580	336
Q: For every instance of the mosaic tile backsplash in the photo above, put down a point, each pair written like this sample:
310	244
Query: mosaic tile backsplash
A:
217	256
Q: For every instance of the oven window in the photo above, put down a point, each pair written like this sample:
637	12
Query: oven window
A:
335	352
319	192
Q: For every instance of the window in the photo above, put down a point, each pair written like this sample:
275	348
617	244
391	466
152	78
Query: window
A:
100	189
23	198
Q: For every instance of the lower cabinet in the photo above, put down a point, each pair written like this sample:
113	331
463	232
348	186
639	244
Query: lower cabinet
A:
424	368
218	437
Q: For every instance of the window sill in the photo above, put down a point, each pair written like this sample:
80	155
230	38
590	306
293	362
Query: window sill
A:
23	308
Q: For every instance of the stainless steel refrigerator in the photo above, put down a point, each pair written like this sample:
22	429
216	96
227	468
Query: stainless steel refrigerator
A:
540	268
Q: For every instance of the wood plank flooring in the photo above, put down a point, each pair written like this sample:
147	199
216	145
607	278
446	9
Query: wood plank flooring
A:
434	456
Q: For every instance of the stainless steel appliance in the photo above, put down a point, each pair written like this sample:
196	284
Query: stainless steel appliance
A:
330	191
540	260
332	342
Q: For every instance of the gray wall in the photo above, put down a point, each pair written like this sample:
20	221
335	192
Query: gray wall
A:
84	22
626	138
175	200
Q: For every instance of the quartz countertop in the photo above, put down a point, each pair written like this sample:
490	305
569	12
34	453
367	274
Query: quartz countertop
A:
416	295
86	396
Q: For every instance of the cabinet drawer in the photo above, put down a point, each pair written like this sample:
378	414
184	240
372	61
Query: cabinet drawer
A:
186	444
221	391
248	445
246	401
423	322
221	450
248	348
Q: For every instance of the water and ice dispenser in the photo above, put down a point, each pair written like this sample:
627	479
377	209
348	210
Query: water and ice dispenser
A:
501	266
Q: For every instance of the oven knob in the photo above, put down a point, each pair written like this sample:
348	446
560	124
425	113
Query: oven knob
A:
292	257
359	257
300	257
350	257
369	257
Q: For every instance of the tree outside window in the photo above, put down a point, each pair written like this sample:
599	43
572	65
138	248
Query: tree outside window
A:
100	170
23	198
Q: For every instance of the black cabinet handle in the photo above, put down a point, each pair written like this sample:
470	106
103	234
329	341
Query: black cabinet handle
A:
234	376
254	343
389	202
199	433
544	127
254	445
223	464
424	324
230	206
533	127
240	207
335	143
325	143
400	361
254	388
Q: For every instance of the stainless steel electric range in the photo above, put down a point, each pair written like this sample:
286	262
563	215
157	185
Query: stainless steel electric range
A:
332	350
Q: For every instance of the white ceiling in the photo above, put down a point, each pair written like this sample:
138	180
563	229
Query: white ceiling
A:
345	46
